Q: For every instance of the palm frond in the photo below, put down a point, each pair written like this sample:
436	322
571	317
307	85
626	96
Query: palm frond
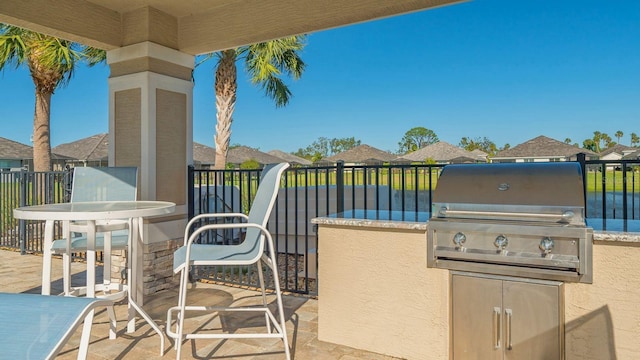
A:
58	55
93	56
200	59
276	89
12	51
266	62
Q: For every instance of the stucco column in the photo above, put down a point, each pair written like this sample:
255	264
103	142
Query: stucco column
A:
150	126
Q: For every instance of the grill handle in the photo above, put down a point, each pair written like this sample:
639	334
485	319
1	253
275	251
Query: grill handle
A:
508	314
565	216
496	327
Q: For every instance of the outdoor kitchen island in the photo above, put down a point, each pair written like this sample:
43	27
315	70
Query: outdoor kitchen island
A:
377	293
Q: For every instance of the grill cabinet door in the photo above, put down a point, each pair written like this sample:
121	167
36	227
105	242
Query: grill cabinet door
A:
476	318
531	321
500	318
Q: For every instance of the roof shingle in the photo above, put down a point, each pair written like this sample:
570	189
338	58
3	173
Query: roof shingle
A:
290	158
542	146
362	154
13	150
439	152
92	148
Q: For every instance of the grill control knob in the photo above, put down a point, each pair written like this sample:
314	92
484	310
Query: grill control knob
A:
459	239
501	242
546	245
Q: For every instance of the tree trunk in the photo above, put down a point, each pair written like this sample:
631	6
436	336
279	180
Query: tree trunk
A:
41	132
225	87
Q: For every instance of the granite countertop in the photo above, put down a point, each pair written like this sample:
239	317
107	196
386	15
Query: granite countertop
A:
387	219
603	229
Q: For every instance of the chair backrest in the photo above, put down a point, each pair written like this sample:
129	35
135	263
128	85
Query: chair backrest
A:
104	184
262	205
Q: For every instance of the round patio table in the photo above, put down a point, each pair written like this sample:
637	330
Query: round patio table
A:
90	212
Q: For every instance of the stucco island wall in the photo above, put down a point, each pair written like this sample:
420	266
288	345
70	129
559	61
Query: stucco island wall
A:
376	293
602	320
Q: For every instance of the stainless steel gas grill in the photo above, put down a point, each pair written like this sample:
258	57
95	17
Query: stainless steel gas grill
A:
518	219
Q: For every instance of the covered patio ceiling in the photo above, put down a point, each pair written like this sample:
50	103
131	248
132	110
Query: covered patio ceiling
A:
195	26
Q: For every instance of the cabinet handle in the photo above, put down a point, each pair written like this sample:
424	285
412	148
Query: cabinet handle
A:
508	315
496	327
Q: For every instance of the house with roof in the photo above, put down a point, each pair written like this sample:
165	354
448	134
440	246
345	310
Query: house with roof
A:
480	156
90	151
290	158
204	157
16	156
542	149
241	154
361	154
632	156
93	151
441	153
617	152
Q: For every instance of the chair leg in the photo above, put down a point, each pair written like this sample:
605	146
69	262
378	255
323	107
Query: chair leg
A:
106	254
276	282
264	295
86	335
112	322
182	300
66	273
66	260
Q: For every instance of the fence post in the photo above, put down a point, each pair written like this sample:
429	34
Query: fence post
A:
190	195
624	194
68	183
430	209
582	159
340	186
22	224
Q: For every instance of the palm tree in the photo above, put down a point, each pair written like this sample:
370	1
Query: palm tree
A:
597	137
51	62
635	140
265	63
619	135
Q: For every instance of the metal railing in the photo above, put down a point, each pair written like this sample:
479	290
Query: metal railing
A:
612	193
305	193
23	188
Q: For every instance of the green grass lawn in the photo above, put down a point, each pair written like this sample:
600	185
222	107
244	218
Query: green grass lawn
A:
613	181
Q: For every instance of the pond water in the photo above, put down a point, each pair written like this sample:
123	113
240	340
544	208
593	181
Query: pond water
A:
613	202
618	225
614	205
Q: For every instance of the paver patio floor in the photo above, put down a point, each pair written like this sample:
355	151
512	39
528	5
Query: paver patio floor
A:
22	273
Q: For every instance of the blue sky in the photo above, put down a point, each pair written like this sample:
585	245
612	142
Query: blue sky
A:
508	70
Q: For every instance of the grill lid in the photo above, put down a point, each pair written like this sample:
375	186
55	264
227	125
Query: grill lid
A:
542	184
537	192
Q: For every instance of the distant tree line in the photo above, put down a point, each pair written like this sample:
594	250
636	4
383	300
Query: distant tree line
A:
419	137
324	147
602	141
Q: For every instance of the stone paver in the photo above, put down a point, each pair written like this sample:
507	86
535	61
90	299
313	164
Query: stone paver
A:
23	274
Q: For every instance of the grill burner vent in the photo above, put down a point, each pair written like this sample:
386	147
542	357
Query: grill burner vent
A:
518	219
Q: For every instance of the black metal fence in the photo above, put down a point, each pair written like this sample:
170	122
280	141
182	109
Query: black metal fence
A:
612	193
305	193
23	188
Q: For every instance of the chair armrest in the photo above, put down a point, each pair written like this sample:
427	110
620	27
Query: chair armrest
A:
210	216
